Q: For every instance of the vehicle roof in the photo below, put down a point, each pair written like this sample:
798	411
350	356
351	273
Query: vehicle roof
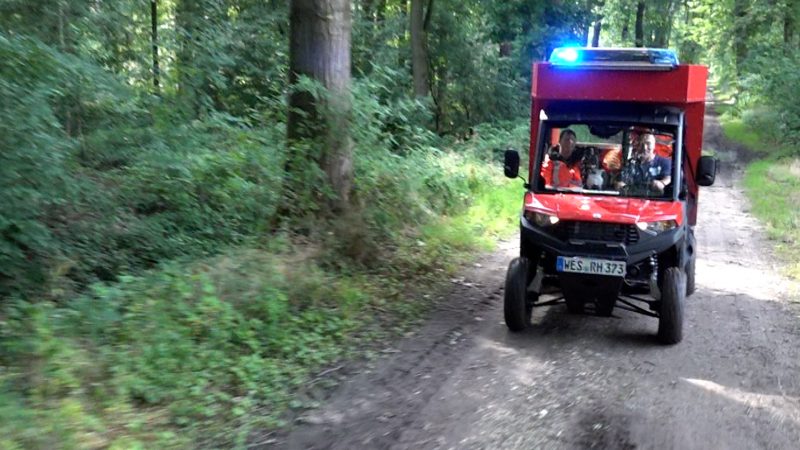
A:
677	87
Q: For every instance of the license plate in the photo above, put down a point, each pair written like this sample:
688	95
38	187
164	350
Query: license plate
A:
577	264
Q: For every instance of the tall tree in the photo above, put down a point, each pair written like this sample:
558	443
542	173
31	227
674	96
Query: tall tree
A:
154	39
790	14
598	25
625	31
639	38
319	48
419	47
740	33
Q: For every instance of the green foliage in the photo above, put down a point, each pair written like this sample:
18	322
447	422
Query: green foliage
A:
772	184
773	187
740	131
204	353
43	106
756	67
199	348
119	327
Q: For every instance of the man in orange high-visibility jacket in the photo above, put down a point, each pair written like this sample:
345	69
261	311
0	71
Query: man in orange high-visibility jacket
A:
561	167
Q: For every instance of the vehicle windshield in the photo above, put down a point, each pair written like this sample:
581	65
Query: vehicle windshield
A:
627	160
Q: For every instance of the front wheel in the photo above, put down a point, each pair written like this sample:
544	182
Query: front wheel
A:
690	268
673	296
575	305
605	305
516	307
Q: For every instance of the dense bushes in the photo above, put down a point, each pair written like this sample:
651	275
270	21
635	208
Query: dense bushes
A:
104	187
215	347
203	353
159	284
135	188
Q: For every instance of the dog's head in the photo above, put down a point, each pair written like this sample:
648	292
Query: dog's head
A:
592	159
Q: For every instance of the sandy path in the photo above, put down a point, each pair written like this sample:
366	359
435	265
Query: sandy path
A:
463	381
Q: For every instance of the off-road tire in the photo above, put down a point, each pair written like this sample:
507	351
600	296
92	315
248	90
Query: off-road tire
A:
673	297
516	305
574	305
690	267
604	307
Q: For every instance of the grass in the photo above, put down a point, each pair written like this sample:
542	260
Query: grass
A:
774	191
737	130
772	184
203	353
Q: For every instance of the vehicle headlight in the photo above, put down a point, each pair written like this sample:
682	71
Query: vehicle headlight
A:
657	227
540	219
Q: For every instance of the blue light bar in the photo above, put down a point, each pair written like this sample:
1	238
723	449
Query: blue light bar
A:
564	55
614	58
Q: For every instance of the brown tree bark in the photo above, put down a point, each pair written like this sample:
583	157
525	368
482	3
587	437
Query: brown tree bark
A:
598	25
639	37
319	47
419	51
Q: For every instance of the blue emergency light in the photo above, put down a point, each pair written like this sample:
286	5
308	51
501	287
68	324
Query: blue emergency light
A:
564	55
614	58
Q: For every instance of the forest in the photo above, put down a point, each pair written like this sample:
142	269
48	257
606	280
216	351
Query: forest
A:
206	202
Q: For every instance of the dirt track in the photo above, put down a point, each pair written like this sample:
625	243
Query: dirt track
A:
463	381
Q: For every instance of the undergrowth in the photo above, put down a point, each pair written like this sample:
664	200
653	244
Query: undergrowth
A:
154	294
773	187
203	352
772	183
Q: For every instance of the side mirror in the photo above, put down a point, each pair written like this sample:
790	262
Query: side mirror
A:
706	171
511	163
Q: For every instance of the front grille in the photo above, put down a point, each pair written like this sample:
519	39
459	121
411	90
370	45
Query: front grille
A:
597	231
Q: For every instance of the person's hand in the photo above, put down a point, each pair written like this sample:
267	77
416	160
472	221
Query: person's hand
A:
658	185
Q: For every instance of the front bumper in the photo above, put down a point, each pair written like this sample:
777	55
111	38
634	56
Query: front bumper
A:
535	238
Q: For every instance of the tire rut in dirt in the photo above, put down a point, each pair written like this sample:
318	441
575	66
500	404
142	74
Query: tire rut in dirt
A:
374	407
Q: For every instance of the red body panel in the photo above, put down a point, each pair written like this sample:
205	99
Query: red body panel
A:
685	84
684	87
592	208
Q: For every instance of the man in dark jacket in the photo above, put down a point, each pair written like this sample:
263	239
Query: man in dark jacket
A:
647	171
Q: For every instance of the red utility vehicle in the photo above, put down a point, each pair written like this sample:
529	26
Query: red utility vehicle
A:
610	208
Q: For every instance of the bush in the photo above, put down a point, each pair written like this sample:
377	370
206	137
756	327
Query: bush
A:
212	349
103	186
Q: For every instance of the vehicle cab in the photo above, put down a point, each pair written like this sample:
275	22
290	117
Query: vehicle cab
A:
611	195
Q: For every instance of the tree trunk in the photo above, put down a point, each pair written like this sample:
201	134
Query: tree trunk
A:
789	22
189	78
662	28
687	18
426	25
598	25
740	33
154	39
639	38
381	12
625	30
319	48
506	47
673	11
419	53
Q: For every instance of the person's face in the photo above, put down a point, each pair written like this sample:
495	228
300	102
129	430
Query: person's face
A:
647	151
567	144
